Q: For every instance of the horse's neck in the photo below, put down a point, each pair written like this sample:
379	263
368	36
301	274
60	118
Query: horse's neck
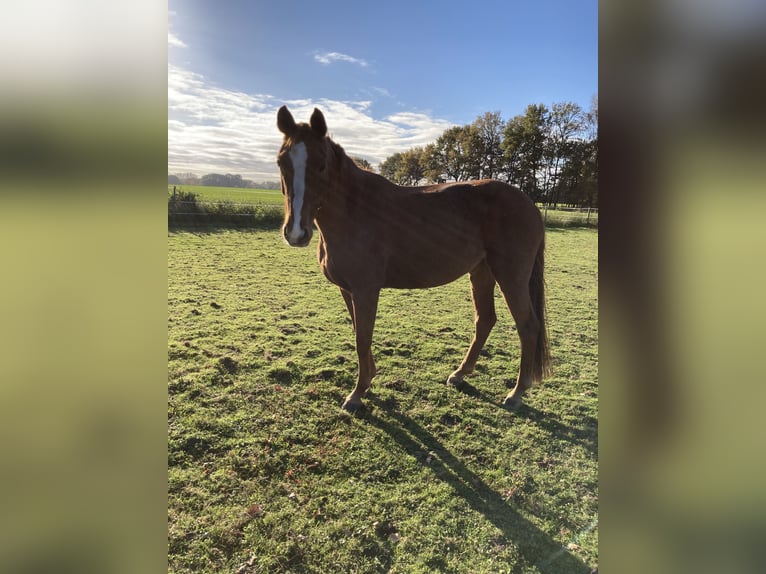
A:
348	187
352	193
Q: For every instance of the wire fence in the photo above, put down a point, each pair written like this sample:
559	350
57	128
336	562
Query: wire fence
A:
188	210
570	216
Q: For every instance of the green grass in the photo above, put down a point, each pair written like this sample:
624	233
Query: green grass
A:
232	194
267	474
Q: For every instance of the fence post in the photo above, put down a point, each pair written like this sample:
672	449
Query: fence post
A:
587	220
174	192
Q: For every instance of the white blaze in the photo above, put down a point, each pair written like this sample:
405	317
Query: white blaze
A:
298	156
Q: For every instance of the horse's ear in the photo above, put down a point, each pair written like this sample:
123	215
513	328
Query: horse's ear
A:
285	121
317	123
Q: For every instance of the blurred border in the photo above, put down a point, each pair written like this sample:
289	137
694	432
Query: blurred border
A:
83	421
682	117
83	118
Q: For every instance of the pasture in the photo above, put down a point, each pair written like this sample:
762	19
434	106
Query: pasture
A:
267	474
236	195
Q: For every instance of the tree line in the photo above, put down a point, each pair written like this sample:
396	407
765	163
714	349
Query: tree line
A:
220	180
551	153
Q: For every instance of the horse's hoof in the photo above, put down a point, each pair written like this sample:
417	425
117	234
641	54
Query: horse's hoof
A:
512	403
456	381
351	407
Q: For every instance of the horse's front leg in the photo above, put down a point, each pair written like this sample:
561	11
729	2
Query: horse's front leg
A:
365	307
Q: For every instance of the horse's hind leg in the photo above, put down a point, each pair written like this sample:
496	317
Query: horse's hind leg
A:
483	293
515	287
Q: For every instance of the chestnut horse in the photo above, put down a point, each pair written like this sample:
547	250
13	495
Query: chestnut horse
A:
374	234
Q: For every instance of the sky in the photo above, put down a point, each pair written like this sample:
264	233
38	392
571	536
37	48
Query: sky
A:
387	75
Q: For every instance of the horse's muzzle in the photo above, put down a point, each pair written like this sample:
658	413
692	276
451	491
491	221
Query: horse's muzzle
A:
301	241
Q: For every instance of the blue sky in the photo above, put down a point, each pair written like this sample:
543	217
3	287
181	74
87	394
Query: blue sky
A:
388	75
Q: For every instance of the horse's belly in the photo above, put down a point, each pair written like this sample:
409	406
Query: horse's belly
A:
430	268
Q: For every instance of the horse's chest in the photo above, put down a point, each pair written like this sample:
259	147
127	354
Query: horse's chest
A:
339	267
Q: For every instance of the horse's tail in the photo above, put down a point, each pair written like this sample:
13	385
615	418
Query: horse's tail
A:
542	364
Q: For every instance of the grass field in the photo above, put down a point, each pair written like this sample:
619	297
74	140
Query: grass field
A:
233	194
267	474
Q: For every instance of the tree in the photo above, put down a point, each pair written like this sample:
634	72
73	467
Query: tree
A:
455	152
404	168
590	120
550	154
578	180
412	168
433	168
212	179
188	178
523	145
488	134
565	122
363	163
390	167
224	180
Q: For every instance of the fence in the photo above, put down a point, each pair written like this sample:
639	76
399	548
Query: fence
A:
570	216
187	210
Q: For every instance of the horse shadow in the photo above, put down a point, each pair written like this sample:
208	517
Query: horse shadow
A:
585	435
537	547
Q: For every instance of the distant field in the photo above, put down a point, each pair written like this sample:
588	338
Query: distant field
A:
233	194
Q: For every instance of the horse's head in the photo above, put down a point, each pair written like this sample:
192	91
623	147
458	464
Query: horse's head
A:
303	164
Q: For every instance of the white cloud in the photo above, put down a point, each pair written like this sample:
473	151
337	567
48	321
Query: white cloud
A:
211	129
381	91
175	41
331	57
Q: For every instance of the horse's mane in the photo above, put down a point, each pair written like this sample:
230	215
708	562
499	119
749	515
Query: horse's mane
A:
349	167
338	151
345	163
